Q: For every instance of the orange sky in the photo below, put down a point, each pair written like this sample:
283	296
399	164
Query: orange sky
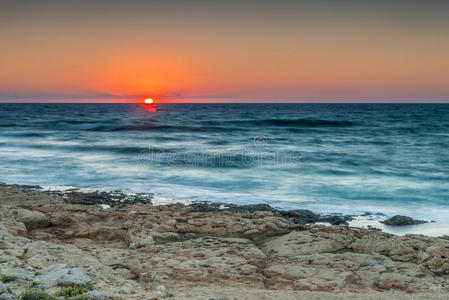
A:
255	51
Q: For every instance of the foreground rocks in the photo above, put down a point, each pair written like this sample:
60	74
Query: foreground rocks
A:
141	251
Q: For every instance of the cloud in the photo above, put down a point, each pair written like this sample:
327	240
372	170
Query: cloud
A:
17	96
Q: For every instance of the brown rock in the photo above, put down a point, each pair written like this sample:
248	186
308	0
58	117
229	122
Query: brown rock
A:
32	219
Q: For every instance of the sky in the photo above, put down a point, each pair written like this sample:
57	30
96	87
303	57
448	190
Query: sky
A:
224	51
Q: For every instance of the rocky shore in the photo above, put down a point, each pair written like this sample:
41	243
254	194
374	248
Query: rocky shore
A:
60	246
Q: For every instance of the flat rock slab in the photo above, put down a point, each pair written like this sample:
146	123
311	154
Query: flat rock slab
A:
61	275
17	273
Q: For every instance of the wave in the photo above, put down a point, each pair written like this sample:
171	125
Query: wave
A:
152	127
99	148
207	126
288	122
23	134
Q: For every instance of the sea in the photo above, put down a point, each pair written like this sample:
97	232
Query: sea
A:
329	158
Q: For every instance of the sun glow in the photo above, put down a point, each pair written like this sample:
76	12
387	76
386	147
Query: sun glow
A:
149	101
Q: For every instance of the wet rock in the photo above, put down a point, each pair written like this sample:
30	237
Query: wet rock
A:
334	220
61	275
402	221
204	206
33	219
23	187
107	198
301	216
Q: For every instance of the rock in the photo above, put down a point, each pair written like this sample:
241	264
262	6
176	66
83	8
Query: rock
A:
162	290
204	206
146	241
33	219
18	273
308	278
3	287
438	260
165	237
61	275
95	295
112	198
334	220
301	243
5	296
402	221
250	233
391	284
134	246
124	290
268	226
190	235
229	254
155	295
301	216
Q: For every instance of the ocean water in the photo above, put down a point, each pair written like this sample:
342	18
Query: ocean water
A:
346	158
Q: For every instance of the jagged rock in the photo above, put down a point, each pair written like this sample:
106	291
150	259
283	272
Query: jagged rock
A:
33	219
402	221
61	275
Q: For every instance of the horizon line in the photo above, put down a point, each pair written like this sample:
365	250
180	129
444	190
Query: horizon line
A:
227	102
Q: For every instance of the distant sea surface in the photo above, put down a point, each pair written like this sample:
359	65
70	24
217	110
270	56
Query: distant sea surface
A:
348	158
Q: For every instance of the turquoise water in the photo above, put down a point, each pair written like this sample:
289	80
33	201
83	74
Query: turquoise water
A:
349	158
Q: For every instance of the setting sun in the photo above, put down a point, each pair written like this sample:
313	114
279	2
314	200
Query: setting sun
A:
149	101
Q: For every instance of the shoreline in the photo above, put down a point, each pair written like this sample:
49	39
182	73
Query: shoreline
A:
201	251
367	220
